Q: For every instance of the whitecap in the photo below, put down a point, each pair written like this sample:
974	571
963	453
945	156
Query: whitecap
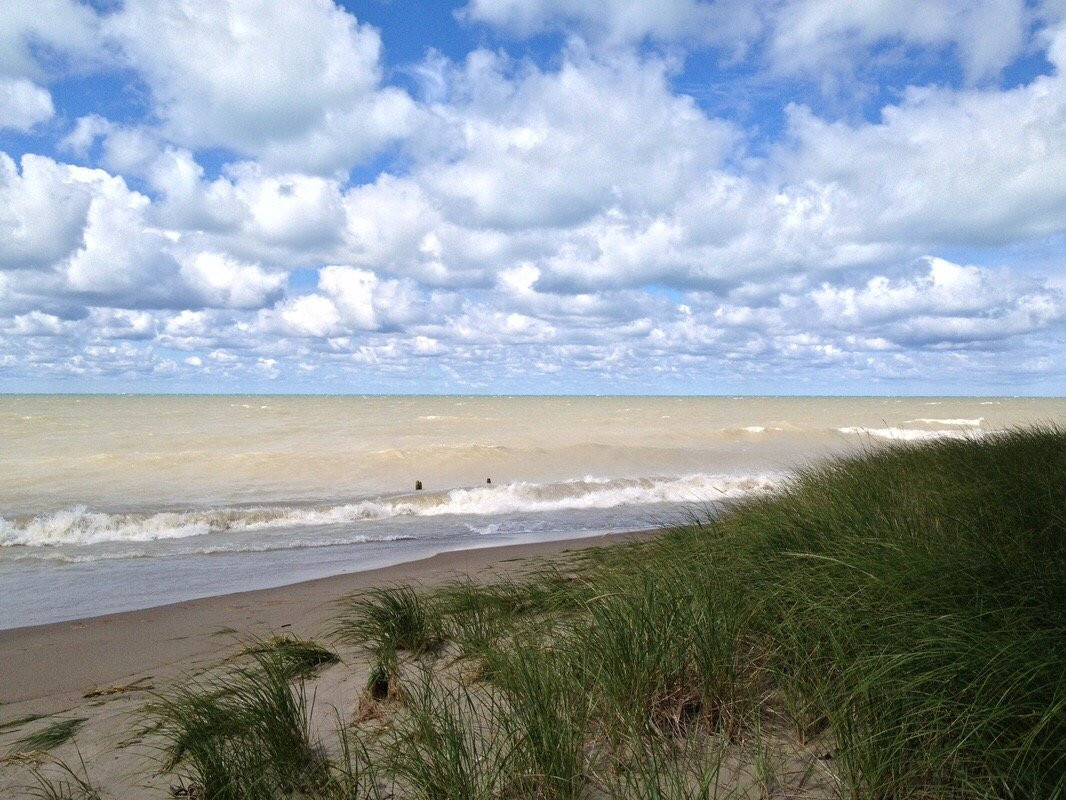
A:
972	423
80	526
908	434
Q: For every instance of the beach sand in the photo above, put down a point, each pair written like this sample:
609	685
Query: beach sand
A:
48	670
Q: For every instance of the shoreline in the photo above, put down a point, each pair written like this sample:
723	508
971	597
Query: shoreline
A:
52	665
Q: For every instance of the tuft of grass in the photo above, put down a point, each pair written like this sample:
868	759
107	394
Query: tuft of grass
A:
664	769
443	748
912	599
545	717
243	734
69	785
476	616
49	737
301	658
389	621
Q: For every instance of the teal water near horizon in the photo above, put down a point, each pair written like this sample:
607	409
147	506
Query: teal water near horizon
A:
113	502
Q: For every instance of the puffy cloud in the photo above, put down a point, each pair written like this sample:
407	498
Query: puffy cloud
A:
23	104
312	315
122	262
43	211
946	289
391	223
224	282
826	34
297	83
975	167
48	31
293	210
349	299
189	202
946	304
552	149
118	323
398	225
37	323
82	236
37	39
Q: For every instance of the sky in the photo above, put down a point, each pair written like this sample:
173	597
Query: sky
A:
533	196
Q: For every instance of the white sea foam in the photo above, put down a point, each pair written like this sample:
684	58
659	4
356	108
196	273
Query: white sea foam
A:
971	423
60	557
908	434
79	526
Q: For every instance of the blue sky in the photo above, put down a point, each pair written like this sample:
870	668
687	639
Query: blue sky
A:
545	196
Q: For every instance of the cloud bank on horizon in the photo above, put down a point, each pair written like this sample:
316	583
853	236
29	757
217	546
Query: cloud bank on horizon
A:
691	196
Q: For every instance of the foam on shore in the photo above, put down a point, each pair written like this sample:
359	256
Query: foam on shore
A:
82	526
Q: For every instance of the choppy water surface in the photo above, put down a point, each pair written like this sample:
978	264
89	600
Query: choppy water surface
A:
116	502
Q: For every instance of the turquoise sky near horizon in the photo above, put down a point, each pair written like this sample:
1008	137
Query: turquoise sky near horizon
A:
533	196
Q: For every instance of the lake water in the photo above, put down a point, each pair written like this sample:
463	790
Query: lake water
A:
110	503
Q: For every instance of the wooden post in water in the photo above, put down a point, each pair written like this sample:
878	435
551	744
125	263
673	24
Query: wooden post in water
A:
418	486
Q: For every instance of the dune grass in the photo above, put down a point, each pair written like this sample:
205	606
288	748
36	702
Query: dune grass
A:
298	658
65	783
440	749
391	620
244	732
906	605
50	736
890	625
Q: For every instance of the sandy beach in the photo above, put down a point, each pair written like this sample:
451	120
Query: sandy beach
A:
49	669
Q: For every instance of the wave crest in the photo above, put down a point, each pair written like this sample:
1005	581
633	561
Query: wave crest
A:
80	526
910	434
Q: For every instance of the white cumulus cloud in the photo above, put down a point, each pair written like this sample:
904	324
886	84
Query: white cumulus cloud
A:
23	104
297	82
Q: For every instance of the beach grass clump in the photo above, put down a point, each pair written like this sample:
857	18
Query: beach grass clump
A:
389	621
243	733
544	712
476	616
68	784
50	736
636	659
446	746
667	769
661	648
301	658
17	722
546	589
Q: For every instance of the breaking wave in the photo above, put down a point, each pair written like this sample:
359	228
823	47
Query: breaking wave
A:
82	526
970	423
910	434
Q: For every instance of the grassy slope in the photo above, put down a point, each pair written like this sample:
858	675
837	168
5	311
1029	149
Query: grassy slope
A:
890	625
909	601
